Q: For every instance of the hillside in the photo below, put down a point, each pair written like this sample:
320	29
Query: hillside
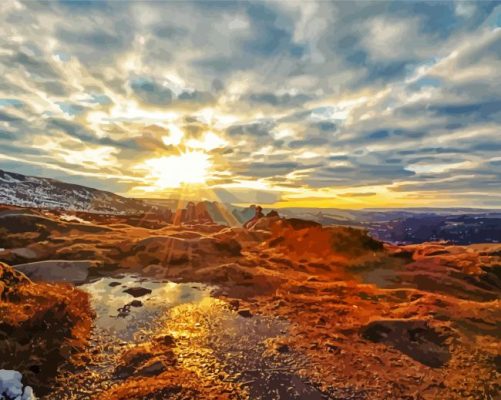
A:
206	311
30	191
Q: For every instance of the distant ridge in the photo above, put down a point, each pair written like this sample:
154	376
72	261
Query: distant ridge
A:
30	191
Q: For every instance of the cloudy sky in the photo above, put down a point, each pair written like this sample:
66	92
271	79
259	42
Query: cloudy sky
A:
297	103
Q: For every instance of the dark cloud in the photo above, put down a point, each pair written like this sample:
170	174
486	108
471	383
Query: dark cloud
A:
34	64
152	92
6	117
310	142
284	100
195	96
383	134
267	169
259	129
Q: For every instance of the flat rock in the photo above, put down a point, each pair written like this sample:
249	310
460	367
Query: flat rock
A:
152	369
25	252
57	270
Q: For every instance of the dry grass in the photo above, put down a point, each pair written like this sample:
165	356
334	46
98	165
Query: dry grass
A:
41	325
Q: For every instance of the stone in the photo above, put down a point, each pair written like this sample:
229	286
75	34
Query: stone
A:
234	304
282	348
152	369
25	252
57	270
166	340
246	313
137	291
332	347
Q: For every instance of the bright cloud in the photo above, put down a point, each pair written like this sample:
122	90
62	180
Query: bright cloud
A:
295	103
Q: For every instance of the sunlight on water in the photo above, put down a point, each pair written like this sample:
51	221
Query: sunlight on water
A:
108	298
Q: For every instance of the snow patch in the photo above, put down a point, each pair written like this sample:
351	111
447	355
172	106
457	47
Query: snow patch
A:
11	387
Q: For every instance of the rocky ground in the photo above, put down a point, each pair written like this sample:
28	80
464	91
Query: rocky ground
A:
346	317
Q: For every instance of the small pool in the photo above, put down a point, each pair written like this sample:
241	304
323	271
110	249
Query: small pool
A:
123	315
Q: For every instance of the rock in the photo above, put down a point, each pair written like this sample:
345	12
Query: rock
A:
137	291
332	347
113	284
152	369
280	303
123	371
246	313
273	213
166	340
234	304
57	270
25	252
136	303
264	224
413	337
228	246
297	224
282	348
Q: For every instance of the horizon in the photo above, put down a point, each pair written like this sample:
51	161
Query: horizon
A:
359	105
181	203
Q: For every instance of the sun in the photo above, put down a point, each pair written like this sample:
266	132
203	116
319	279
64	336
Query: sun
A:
174	171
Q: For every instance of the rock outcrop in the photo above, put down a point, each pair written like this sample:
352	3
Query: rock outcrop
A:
57	270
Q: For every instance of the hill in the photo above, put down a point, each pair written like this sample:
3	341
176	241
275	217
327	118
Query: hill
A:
31	191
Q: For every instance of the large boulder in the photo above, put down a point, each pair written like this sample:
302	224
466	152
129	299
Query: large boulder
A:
413	337
57	270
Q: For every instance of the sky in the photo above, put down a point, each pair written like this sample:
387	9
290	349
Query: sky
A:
286	103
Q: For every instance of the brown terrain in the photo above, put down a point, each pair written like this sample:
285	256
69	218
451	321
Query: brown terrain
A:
346	316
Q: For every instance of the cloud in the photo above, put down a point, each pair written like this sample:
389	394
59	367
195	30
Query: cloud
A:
152	92
261	128
357	194
305	98
278	100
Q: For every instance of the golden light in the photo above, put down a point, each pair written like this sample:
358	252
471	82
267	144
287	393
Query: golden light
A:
173	171
175	136
210	141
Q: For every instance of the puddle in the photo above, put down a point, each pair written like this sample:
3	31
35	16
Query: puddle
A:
221	346
118	324
117	316
213	341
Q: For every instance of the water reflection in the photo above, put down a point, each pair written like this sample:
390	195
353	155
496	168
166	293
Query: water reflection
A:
108	300
227	351
233	352
113	330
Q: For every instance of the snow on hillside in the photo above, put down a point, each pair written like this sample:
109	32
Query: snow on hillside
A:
29	191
